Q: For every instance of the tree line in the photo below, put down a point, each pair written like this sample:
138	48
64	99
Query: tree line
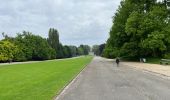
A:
141	28
27	47
98	49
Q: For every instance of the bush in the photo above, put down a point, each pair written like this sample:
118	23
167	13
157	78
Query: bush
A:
167	56
7	51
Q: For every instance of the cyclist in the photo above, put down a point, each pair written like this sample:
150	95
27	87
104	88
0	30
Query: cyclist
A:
117	61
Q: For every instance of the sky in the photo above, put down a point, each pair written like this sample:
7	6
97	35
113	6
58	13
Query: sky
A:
78	21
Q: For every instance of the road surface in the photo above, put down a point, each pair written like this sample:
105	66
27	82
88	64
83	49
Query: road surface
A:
102	80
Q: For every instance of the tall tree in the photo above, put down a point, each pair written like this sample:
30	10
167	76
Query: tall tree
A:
118	35
98	49
95	49
73	50
67	52
139	29
53	40
86	49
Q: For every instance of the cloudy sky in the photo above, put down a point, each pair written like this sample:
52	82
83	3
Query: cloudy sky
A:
78	21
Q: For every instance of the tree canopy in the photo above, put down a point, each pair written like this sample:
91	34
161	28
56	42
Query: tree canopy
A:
140	29
98	49
27	46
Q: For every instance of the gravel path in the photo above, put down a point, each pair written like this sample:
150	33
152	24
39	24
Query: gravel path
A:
163	70
102	80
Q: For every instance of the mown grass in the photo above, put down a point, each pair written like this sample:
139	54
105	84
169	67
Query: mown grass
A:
153	60
38	81
150	60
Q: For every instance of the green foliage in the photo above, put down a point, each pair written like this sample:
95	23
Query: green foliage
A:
7	51
73	50
133	28
167	56
84	50
153	60
20	55
129	50
26	46
98	49
67	52
80	51
140	29
155	43
118	35
34	47
95	49
53	40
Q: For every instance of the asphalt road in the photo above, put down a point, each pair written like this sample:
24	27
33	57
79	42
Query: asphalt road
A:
103	80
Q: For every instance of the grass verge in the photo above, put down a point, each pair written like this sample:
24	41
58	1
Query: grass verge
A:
38	81
153	60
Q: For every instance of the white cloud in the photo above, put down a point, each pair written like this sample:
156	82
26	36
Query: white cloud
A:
78	21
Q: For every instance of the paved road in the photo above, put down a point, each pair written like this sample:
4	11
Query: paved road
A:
102	80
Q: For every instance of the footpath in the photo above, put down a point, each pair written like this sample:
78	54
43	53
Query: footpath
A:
154	68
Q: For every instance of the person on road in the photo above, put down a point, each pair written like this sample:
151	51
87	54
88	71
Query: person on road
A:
117	61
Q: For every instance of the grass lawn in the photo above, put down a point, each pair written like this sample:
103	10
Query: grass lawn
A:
153	60
150	60
38	81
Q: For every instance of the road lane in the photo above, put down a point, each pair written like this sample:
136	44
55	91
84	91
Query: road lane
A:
102	80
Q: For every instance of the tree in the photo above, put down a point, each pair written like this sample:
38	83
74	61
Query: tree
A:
155	43
53	40
155	23
98	49
27	46
32	47
67	52
95	49
73	50
135	33
80	51
118	35
101	49
42	51
140	28
85	49
7	51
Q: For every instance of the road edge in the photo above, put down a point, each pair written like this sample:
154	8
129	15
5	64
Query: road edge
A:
149	71
62	91
30	62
